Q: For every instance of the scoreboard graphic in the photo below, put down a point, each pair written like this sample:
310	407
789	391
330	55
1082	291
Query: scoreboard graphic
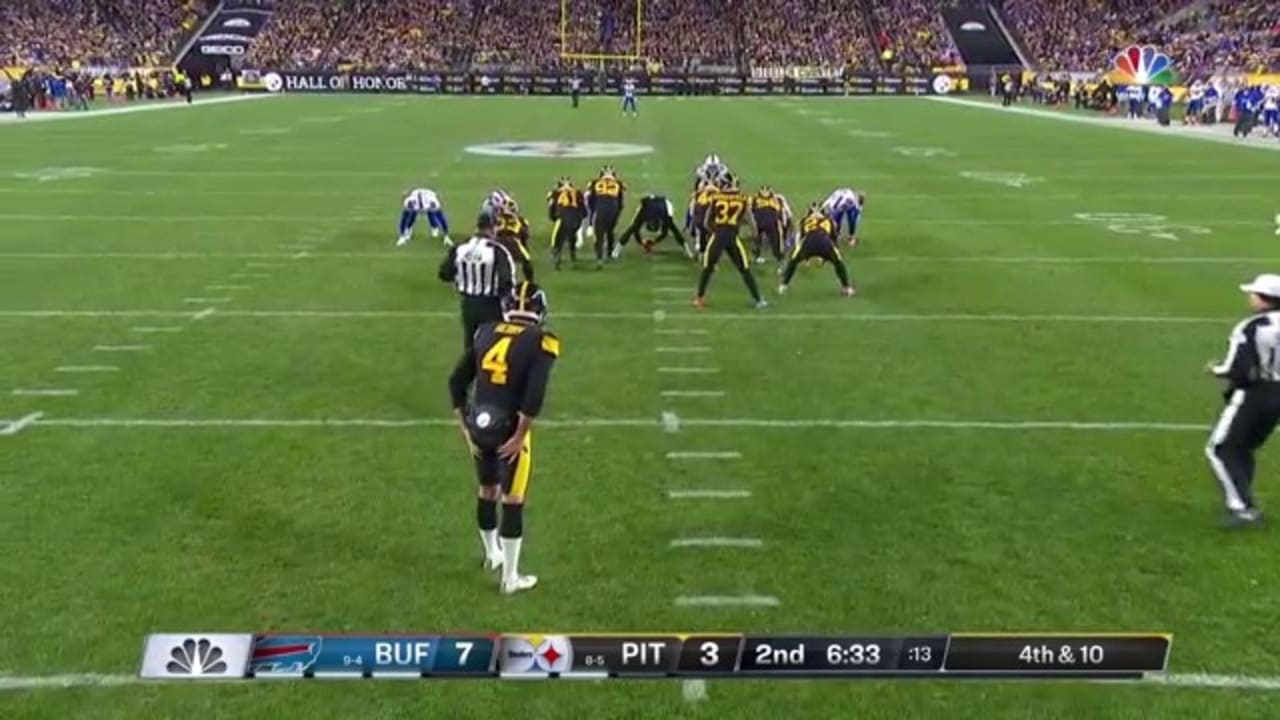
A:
231	656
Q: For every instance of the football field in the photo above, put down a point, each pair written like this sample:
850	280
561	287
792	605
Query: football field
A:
224	404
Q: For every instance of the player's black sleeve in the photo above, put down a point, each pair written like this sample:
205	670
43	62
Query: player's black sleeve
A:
449	266
535	389
464	373
1242	356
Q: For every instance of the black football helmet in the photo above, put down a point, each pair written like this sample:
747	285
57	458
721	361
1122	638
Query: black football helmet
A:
526	302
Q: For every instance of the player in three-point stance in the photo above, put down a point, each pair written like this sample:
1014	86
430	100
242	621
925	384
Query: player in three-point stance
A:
817	240
844	206
629	98
425	202
656	215
510	367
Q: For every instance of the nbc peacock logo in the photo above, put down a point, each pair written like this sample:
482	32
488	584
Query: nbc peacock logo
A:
196	657
1142	66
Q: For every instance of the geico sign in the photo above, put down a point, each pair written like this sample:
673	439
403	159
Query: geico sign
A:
222	49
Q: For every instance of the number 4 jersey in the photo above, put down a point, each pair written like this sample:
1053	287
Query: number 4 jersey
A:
510	365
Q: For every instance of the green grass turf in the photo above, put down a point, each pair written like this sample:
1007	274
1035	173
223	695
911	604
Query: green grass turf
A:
981	302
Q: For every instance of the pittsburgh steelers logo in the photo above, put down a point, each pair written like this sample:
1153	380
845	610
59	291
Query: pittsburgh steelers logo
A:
483	420
943	84
558	149
273	82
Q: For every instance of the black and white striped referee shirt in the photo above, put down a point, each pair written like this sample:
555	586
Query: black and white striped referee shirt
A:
479	267
1253	354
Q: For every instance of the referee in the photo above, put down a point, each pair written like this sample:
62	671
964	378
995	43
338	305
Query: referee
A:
1252	371
482	270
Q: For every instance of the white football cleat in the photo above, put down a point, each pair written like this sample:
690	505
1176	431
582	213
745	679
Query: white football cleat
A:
402	241
617	252
782	289
493	562
448	242
519	584
435	232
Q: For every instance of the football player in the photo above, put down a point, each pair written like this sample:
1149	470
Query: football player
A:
695	218
656	215
567	209
845	206
712	170
772	216
629	97
425	202
817	240
513	234
725	214
509	366
496	201
605	200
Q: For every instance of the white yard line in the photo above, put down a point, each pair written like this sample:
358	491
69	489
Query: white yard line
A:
727	600
693	690
121	348
652	423
22	423
86	369
45	392
39	118
147	330
692	393
670	422
204	314
690	688
708	494
206	300
703	455
1202	133
717	542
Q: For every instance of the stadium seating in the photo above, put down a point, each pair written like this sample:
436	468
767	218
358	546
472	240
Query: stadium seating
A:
64	33
900	36
1085	34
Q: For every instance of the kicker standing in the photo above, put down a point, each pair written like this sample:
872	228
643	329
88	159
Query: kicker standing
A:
510	366
1252	371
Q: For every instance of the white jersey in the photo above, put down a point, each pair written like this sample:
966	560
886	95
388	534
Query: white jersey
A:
1272	99
421	200
711	168
497	200
1196	93
841	201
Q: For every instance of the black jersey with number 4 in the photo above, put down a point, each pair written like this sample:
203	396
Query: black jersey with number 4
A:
510	365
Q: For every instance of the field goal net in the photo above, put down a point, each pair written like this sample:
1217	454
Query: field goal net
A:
601	30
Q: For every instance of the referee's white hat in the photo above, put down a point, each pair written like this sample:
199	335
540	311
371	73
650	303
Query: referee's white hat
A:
1266	284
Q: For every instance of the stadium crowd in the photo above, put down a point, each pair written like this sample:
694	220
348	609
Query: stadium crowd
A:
95	32
1074	35
900	36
